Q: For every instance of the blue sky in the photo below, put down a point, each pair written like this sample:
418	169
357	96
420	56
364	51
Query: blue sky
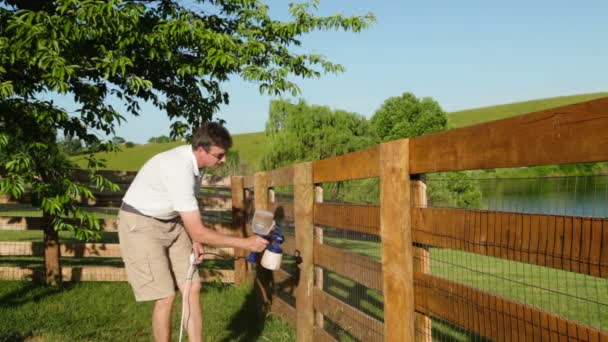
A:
464	54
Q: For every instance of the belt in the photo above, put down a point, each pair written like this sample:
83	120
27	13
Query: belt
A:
130	209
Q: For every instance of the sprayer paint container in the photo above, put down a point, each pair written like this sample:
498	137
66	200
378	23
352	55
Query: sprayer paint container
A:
262	222
271	260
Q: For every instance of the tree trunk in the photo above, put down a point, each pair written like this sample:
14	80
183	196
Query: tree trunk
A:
52	268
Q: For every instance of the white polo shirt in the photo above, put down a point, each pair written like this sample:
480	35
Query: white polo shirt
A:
166	184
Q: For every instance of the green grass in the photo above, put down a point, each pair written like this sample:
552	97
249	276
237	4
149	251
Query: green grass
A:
575	296
251	147
104	311
478	115
37	236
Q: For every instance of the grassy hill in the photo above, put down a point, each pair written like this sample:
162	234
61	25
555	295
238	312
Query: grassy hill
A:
478	115
251	146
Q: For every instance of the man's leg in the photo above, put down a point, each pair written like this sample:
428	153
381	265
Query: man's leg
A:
161	319
193	318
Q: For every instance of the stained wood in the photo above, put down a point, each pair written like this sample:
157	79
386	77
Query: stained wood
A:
581	244
320	335
568	134
355	165
360	325
289	245
304	197
281	177
358	268
282	308
354	217
283	211
447	300
239	219
248	181
36	223
396	237
99	274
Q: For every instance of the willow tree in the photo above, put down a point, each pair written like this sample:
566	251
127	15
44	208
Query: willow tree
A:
170	54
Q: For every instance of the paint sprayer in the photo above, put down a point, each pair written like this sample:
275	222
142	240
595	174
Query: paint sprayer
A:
264	226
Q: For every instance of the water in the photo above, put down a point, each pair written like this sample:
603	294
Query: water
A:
572	195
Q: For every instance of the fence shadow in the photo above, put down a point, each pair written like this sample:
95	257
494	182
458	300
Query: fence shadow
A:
30	292
248	323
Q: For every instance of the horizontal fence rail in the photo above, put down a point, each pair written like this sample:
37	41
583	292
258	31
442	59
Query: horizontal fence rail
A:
571	243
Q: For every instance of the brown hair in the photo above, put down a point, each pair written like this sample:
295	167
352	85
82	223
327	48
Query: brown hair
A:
211	134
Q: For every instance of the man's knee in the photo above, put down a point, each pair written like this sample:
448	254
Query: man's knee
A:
165	302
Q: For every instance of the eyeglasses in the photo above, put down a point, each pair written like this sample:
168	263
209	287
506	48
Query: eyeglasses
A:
218	156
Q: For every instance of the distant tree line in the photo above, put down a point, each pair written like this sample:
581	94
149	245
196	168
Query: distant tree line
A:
301	132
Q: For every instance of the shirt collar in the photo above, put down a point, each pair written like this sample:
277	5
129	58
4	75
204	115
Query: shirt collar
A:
195	169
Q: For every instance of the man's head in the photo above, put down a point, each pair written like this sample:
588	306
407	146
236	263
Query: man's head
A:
210	143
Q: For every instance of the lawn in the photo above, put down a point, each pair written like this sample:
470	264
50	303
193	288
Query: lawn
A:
104	311
575	296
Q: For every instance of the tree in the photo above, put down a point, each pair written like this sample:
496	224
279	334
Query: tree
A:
160	139
174	56
407	116
118	140
301	132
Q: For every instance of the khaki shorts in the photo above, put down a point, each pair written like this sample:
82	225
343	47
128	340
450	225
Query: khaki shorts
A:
156	255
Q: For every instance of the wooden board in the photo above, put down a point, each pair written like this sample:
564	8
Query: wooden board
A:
91	273
571	243
283	309
396	236
360	325
281	177
361	269
494	317
569	134
355	217
355	165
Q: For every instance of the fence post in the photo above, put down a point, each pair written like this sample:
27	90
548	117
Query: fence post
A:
52	268
303	211
423	322
319	319
238	222
396	236
263	277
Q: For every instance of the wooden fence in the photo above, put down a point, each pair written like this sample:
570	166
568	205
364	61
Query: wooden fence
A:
215	202
407	228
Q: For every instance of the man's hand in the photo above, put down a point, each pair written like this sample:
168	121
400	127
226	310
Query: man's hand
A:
198	252
255	243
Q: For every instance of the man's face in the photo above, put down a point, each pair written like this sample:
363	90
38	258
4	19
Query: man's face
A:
212	157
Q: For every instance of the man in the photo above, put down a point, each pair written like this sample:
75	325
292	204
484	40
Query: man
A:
160	218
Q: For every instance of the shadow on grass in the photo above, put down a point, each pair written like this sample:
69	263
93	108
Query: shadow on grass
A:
14	337
248	323
30	292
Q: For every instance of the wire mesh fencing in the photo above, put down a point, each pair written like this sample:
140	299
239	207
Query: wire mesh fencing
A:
348	255
535	241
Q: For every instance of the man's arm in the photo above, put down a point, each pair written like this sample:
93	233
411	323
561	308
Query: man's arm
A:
199	233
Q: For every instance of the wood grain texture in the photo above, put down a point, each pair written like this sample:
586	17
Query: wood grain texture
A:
355	217
304	197
360	325
355	165
570	243
396	237
569	134
494	317
281	177
359	268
